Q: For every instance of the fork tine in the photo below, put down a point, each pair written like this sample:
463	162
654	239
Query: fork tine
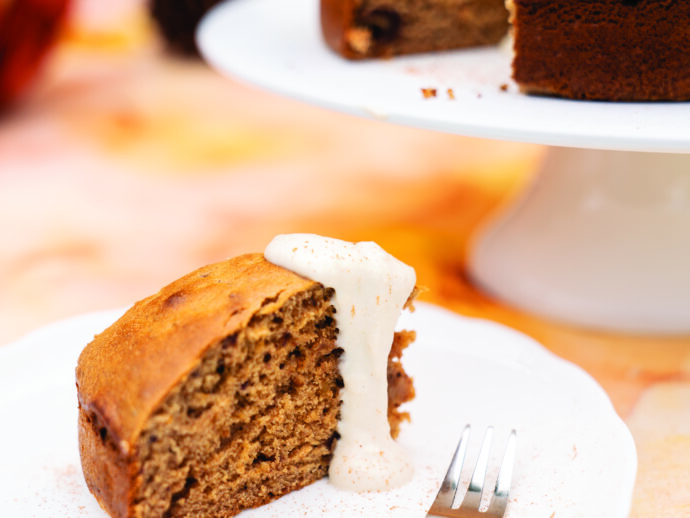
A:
499	502
470	507
449	486
473	497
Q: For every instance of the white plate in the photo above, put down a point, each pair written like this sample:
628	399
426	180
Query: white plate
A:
277	44
576	458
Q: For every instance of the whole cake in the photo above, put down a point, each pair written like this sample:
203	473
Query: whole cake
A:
222	392
617	50
613	50
380	28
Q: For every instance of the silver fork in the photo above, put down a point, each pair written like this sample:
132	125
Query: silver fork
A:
443	505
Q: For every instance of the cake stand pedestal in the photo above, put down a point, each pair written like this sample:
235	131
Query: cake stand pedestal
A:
601	239
602	236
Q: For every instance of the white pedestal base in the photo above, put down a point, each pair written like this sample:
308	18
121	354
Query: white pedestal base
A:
601	240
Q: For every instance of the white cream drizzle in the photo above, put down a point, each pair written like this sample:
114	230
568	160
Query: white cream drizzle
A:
371	288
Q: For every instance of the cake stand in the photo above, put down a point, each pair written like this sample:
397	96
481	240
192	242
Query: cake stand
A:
601	238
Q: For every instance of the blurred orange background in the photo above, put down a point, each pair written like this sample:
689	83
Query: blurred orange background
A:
124	166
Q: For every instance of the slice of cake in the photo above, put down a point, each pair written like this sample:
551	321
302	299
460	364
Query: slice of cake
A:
616	50
380	28
226	389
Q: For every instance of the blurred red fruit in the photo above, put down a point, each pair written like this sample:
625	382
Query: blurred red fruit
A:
28	28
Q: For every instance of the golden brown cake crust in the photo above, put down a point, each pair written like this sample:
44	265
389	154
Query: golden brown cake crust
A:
358	29
617	50
336	17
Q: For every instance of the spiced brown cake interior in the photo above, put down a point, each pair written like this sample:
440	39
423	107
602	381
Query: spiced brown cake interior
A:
615	50
217	394
378	28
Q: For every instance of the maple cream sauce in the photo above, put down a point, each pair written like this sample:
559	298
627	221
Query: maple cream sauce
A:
371	288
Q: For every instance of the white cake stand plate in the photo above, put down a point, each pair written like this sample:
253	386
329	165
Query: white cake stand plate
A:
602	237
